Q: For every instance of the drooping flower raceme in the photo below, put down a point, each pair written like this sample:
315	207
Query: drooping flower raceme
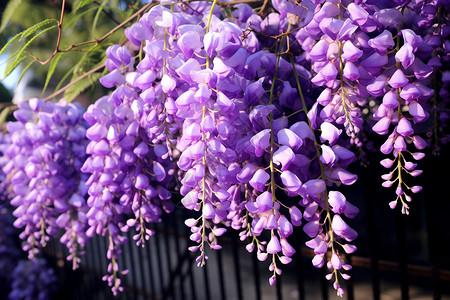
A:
45	155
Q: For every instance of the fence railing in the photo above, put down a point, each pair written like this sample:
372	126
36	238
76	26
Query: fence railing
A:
399	257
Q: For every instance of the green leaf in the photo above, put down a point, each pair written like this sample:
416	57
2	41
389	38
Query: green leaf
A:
10	8
12	64
97	15
25	69
63	79
4	114
52	68
83	3
81	86
75	17
27	32
9	43
33	38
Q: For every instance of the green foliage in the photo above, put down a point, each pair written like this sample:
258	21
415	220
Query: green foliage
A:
81	86
26	33
32	36
13	62
9	43
54	62
24	70
4	114
96	18
10	9
82	4
74	17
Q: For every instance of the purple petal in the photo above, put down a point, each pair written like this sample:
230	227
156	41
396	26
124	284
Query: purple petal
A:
264	201
329	133
405	56
382	126
291	181
390	99
289	138
404	127
274	245
398	79
259	180
357	13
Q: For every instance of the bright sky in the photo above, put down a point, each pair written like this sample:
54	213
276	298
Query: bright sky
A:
11	81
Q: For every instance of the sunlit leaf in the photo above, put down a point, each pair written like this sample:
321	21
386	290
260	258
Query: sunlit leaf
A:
25	69
33	38
83	3
51	69
10	8
27	32
9	43
4	114
81	86
14	63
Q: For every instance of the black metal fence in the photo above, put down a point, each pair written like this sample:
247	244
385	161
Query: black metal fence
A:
398	257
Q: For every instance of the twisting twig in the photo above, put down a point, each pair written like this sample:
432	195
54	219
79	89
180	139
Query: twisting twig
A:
112	31
263	7
96	41
59	36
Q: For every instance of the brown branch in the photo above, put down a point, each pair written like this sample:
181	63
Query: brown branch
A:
96	41
8	104
59	37
112	31
97	68
263	7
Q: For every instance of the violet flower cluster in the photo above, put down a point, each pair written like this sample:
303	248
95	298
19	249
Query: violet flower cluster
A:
20	278
42	167
32	279
253	117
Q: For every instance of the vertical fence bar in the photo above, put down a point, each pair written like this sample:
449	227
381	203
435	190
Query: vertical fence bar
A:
190	271
140	250
256	274
373	246
159	260
237	267
221	278
206	279
122	265
168	251
132	268
299	270
402	254
350	282
324	282
278	288
178	248
153	291
101	263
435	281
432	237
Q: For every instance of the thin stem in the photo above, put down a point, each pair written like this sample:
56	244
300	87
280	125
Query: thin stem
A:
95	41
322	170
207	28
61	18
99	67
